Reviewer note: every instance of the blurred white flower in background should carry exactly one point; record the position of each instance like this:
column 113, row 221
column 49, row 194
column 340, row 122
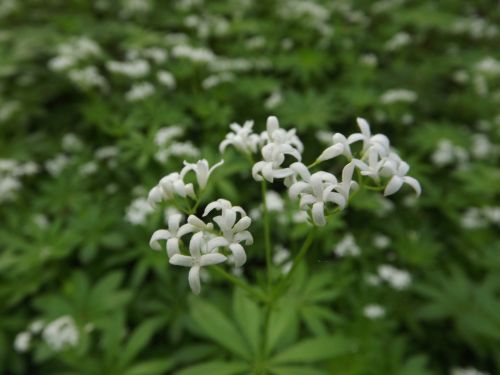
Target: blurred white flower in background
column 467, row 371
column 347, row 246
column 140, row 91
column 396, row 278
column 273, row 100
column 373, row 311
column 22, row 342
column 61, row 333
column 381, row 241
column 138, row 211
column 398, row 41
column 398, row 96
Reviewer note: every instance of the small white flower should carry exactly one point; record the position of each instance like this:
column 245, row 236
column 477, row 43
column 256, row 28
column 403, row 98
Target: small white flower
column 398, row 279
column 201, row 256
column 170, row 185
column 274, row 202
column 36, row 326
column 373, row 311
column 398, row 96
column 273, row 100
column 166, row 78
column 167, row 134
column 347, row 247
column 381, row 241
column 138, row 211
column 315, row 191
column 399, row 171
column 140, row 91
column 279, row 144
column 467, row 371
column 234, row 232
column 22, row 342
column 173, row 235
column 61, row 333
column 242, row 138
column 202, row 171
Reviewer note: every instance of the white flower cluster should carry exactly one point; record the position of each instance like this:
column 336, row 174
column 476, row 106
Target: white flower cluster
column 166, row 141
column 281, row 152
column 210, row 243
column 396, row 278
column 11, row 172
column 72, row 53
column 475, row 217
column 448, row 153
column 373, row 311
column 467, row 371
column 59, row 334
column 398, row 96
column 347, row 247
column 74, row 59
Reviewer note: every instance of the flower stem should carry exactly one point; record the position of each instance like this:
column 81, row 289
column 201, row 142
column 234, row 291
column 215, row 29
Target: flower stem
column 240, row 283
column 267, row 236
column 302, row 253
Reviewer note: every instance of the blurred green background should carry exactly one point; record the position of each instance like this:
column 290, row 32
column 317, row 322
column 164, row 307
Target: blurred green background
column 89, row 94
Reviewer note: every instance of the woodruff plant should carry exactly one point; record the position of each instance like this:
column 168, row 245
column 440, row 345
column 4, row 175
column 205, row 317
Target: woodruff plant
column 222, row 233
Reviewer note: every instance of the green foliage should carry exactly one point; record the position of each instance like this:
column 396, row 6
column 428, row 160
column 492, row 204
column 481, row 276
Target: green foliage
column 73, row 246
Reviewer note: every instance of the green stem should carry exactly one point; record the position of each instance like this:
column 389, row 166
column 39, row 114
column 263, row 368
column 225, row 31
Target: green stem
column 267, row 235
column 240, row 283
column 302, row 253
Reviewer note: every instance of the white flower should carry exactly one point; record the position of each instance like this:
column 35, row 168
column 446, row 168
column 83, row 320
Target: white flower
column 315, row 191
column 61, row 333
column 138, row 211
column 341, row 146
column 399, row 169
column 173, row 235
column 398, row 95
column 234, row 232
column 170, row 185
column 373, row 311
column 398, row 279
column 71, row 143
column 56, row 165
column 36, row 326
column 166, row 134
column 378, row 142
column 273, row 100
column 280, row 143
column 242, row 138
column 347, row 247
column 140, row 91
column 202, row 171
column 201, row 256
column 467, row 371
column 381, row 241
column 22, row 342
column 132, row 69
column 166, row 78
column 274, row 202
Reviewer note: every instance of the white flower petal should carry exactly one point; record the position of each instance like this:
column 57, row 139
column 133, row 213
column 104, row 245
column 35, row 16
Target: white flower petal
column 173, row 247
column 194, row 279
column 393, row 186
column 182, row 260
column 215, row 243
column 318, row 213
column 240, row 257
column 242, row 224
column 331, row 152
column 161, row 234
column 212, row 258
column 414, row 184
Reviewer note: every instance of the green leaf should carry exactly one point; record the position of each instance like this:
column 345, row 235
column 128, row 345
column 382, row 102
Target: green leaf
column 314, row 350
column 248, row 317
column 155, row 366
column 296, row 370
column 139, row 339
column 283, row 323
column 216, row 326
column 216, row 367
